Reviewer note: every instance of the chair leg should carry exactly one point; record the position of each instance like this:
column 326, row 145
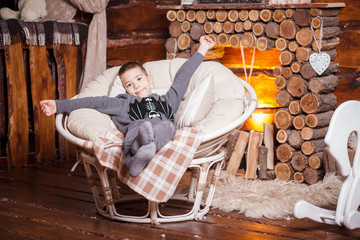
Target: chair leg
column 92, row 184
column 214, row 180
column 109, row 200
column 354, row 220
column 201, row 187
column 342, row 201
column 113, row 185
column 304, row 209
column 193, row 181
column 154, row 209
column 104, row 208
column 204, row 171
column 352, row 215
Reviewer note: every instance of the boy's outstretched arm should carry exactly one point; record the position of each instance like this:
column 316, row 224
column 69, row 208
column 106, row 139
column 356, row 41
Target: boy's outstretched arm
column 205, row 44
column 48, row 107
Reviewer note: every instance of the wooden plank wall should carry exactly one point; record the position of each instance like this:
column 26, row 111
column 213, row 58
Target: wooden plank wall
column 28, row 74
column 138, row 31
column 348, row 52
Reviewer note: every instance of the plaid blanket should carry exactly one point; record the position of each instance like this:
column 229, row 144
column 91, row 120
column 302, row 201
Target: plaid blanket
column 161, row 176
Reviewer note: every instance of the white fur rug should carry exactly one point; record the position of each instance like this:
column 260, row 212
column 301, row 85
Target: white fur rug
column 272, row 199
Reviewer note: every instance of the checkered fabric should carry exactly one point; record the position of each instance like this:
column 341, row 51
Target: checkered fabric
column 159, row 179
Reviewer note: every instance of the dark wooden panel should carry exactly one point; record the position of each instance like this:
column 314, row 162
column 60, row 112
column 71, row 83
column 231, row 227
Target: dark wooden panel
column 349, row 48
column 140, row 53
column 42, row 87
column 350, row 34
column 66, row 57
column 17, row 105
column 3, row 113
column 349, row 13
column 143, row 16
column 346, row 91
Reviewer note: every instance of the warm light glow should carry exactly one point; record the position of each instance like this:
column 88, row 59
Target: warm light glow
column 267, row 60
column 265, row 90
column 258, row 118
column 261, row 80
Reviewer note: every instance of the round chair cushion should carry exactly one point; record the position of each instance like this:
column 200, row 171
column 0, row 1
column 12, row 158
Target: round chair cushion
column 215, row 97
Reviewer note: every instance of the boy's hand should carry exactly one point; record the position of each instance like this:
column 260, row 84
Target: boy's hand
column 48, row 107
column 205, row 44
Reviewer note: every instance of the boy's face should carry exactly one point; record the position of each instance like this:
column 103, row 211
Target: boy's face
column 136, row 82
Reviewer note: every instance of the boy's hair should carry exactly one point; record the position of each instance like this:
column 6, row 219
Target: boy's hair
column 130, row 65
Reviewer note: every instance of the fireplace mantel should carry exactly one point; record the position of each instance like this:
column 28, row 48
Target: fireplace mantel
column 251, row 6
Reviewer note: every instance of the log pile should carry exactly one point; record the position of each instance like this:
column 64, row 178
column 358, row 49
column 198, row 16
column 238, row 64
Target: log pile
column 287, row 30
column 307, row 99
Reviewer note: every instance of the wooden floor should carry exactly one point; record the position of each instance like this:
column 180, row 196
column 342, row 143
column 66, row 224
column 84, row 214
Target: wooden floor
column 45, row 202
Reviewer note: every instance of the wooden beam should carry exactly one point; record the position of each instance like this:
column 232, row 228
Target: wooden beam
column 17, row 106
column 42, row 87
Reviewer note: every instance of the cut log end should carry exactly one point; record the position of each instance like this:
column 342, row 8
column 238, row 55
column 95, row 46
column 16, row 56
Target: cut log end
column 294, row 108
column 221, row 15
column 282, row 119
column 282, row 136
column 280, row 82
column 284, row 152
column 171, row 15
column 315, row 161
column 281, row 44
column 184, row 41
column 311, row 175
column 265, row 15
column 299, row 122
column 181, row 15
column 287, row 29
column 248, row 40
column 304, row 37
column 283, row 171
column 234, row 40
column 286, row 58
column 299, row 177
column 298, row 161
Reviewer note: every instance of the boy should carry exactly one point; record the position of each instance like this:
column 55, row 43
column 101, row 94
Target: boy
column 144, row 118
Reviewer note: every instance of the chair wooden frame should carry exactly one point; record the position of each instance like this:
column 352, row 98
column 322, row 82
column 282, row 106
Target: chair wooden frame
column 210, row 146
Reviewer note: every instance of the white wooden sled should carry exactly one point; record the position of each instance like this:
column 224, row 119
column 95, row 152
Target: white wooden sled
column 346, row 119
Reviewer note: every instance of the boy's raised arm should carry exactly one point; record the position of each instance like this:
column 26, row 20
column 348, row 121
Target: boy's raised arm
column 205, row 44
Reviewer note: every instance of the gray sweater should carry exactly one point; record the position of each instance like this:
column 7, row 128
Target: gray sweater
column 125, row 108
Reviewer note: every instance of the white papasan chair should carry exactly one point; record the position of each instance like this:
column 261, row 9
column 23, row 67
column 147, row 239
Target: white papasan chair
column 220, row 105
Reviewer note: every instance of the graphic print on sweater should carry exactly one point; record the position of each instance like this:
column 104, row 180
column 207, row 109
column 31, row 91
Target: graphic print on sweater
column 150, row 108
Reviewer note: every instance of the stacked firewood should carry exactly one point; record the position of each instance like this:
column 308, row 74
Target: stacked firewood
column 287, row 30
column 255, row 149
column 307, row 99
column 264, row 29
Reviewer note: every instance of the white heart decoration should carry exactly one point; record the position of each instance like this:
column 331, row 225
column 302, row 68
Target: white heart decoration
column 319, row 62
